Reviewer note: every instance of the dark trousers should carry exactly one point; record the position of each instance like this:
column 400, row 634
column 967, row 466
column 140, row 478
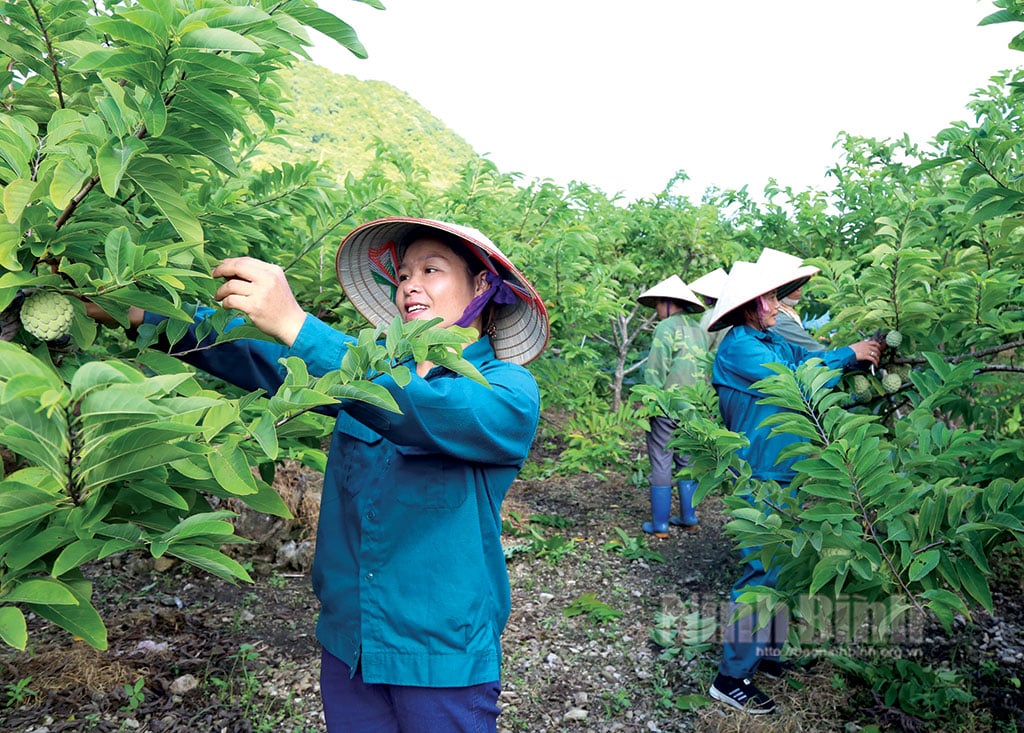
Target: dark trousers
column 353, row 706
column 664, row 462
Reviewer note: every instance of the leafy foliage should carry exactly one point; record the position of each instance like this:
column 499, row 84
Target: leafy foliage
column 141, row 142
column 122, row 134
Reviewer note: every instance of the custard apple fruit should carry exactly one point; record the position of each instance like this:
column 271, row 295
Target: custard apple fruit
column 861, row 384
column 892, row 382
column 47, row 315
column 893, row 339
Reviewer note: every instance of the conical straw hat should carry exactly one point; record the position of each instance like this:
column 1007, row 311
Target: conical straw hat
column 783, row 260
column 710, row 284
column 746, row 282
column 367, row 267
column 673, row 288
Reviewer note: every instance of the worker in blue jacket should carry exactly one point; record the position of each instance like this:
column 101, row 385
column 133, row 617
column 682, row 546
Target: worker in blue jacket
column 749, row 305
column 409, row 567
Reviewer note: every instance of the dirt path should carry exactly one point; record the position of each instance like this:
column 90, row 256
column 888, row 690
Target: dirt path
column 215, row 658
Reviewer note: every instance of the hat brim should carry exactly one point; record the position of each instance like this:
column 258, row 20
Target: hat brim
column 521, row 330
column 710, row 284
column 671, row 288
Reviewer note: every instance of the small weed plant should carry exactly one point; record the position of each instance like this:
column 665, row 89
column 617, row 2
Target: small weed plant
column 615, row 703
column 921, row 691
column 136, row 695
column 552, row 549
column 19, row 692
column 632, row 548
column 689, row 634
column 597, row 611
column 266, row 712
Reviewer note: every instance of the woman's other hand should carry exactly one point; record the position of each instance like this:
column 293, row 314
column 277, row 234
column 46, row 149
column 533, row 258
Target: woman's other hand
column 868, row 350
column 99, row 315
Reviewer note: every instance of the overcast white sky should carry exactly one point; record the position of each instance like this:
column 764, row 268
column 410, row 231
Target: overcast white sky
column 621, row 94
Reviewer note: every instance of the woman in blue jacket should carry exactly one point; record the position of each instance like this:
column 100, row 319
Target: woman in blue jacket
column 409, row 567
column 749, row 304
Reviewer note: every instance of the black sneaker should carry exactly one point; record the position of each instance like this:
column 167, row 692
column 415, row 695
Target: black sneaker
column 774, row 669
column 741, row 694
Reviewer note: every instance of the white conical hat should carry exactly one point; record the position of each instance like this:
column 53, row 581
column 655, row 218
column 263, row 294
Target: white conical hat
column 748, row 281
column 710, row 284
column 367, row 267
column 783, row 260
column 673, row 288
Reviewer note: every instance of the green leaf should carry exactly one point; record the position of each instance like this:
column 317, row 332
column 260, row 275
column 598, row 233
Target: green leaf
column 1001, row 16
column 210, row 560
column 154, row 116
column 368, row 392
column 160, row 493
column 10, row 244
column 67, row 180
column 267, row 501
column 264, row 429
column 218, row 39
column 41, row 590
column 153, row 179
column 80, row 620
column 231, row 469
column 17, row 195
column 329, row 25
column 75, row 555
column 691, row 702
column 133, row 451
column 13, row 629
column 112, row 160
column 21, row 508
column 975, row 584
column 29, row 549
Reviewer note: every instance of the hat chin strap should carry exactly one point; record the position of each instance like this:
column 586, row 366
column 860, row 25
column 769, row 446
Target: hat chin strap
column 499, row 292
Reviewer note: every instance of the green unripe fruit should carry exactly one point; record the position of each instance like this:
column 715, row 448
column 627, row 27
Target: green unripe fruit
column 47, row 316
column 892, row 382
column 903, row 370
column 861, row 385
column 893, row 339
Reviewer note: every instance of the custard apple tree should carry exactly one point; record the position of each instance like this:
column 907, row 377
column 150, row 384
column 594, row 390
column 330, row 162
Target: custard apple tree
column 125, row 128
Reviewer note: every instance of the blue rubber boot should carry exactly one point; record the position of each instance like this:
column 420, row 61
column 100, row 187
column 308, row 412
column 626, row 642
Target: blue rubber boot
column 687, row 516
column 661, row 505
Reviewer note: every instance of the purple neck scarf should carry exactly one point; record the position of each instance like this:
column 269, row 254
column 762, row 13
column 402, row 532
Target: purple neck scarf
column 499, row 292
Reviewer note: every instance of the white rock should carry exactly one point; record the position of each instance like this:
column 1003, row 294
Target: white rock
column 183, row 684
column 576, row 714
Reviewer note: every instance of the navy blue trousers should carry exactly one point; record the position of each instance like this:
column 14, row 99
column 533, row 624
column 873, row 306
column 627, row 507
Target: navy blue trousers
column 353, row 706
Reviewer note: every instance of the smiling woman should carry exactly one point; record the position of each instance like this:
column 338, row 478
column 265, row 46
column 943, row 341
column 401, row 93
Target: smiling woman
column 409, row 567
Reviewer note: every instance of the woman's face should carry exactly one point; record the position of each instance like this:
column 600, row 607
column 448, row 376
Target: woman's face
column 760, row 319
column 435, row 282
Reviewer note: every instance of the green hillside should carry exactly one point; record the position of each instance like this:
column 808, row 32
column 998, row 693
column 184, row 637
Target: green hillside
column 337, row 118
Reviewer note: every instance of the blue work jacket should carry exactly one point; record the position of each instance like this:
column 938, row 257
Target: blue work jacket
column 409, row 567
column 740, row 361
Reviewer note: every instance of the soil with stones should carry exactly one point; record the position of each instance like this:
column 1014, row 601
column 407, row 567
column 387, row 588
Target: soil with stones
column 190, row 653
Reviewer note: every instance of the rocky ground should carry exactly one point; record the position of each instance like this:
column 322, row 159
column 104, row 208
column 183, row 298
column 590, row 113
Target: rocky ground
column 189, row 653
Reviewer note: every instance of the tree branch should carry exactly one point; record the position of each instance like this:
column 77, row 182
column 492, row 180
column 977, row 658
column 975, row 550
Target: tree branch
column 50, row 54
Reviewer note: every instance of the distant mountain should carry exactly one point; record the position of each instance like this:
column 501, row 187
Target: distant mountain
column 337, row 116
